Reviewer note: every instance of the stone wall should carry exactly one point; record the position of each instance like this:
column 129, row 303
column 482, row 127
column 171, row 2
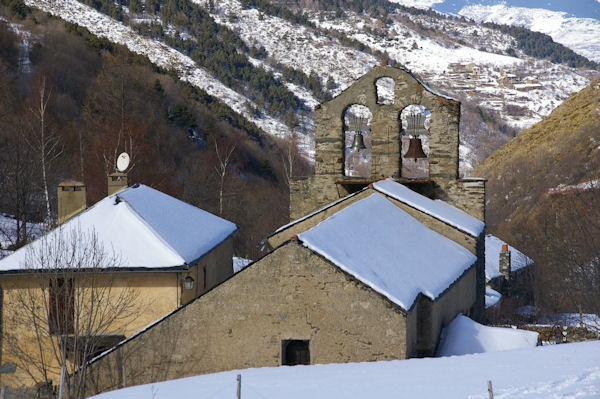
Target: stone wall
column 290, row 294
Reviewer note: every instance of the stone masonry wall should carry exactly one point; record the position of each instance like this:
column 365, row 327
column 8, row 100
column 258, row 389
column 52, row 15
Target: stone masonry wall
column 289, row 294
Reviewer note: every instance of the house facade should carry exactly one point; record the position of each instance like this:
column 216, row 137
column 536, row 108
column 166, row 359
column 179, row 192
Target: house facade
column 107, row 271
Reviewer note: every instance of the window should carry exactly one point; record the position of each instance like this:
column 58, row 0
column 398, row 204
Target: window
column 415, row 120
column 61, row 306
column 357, row 141
column 294, row 352
column 385, row 90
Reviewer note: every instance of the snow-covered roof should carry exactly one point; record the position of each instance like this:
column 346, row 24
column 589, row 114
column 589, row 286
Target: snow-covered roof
column 493, row 246
column 145, row 228
column 436, row 208
column 492, row 297
column 389, row 250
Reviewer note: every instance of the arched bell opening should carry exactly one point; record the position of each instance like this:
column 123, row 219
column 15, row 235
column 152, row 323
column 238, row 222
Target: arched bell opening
column 415, row 141
column 385, row 90
column 357, row 141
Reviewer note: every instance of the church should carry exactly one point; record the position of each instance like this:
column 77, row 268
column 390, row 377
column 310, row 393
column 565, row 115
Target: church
column 386, row 246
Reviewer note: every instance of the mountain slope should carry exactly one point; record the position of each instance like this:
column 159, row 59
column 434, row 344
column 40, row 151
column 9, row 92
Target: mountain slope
column 579, row 34
column 327, row 45
column 561, row 150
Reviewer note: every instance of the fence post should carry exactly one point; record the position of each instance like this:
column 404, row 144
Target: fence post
column 490, row 390
column 239, row 386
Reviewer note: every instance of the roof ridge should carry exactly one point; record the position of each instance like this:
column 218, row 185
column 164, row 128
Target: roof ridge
column 150, row 228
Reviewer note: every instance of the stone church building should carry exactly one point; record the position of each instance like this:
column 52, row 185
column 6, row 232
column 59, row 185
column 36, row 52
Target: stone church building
column 386, row 248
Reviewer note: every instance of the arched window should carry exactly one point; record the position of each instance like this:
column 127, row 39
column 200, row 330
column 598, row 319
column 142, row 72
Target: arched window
column 415, row 141
column 357, row 141
column 385, row 90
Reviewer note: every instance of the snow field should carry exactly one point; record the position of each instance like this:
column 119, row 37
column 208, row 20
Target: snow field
column 549, row 372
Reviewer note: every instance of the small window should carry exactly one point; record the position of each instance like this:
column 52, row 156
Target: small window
column 61, row 306
column 78, row 188
column 385, row 90
column 295, row 352
column 64, row 188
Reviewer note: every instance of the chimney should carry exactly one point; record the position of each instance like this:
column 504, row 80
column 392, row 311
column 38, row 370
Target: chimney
column 116, row 182
column 72, row 199
column 504, row 262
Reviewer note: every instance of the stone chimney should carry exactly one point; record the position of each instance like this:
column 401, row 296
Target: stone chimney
column 116, row 182
column 72, row 199
column 504, row 263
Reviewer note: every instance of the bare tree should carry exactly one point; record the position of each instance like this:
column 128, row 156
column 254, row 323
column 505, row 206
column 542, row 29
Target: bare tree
column 68, row 308
column 224, row 158
column 290, row 156
column 44, row 140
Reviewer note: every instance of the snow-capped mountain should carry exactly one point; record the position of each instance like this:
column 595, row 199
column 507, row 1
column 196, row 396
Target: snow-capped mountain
column 581, row 35
column 575, row 24
column 501, row 88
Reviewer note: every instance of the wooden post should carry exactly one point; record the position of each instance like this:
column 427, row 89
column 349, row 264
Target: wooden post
column 3, row 393
column 239, row 386
column 490, row 390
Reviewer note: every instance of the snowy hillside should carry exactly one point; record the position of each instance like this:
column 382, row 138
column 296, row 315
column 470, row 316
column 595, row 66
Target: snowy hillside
column 557, row 371
column 581, row 35
column 160, row 54
column 457, row 58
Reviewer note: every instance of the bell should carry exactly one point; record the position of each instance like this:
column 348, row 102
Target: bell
column 358, row 143
column 415, row 150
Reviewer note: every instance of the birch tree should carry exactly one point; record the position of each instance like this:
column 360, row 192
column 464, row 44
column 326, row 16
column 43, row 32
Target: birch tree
column 43, row 139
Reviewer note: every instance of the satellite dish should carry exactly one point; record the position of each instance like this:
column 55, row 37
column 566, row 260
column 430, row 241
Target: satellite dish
column 122, row 162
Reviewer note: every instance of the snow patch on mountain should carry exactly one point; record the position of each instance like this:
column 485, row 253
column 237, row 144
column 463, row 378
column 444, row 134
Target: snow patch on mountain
column 581, row 35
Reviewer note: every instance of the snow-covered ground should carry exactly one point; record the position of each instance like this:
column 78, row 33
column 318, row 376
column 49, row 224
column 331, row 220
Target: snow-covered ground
column 581, row 35
column 556, row 371
column 240, row 263
column 464, row 336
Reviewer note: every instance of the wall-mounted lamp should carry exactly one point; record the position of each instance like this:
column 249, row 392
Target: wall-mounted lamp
column 188, row 283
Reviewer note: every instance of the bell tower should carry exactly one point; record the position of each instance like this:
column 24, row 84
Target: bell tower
column 387, row 124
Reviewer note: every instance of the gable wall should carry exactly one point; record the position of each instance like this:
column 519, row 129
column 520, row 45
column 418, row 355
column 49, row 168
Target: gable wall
column 289, row 294
column 218, row 266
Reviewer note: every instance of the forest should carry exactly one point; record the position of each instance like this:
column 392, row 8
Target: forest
column 72, row 102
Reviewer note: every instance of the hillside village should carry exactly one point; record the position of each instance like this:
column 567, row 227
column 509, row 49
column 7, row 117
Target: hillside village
column 376, row 264
column 382, row 261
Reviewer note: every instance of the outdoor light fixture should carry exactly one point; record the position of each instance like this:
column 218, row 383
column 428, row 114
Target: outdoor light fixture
column 188, row 283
